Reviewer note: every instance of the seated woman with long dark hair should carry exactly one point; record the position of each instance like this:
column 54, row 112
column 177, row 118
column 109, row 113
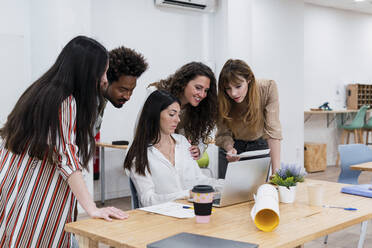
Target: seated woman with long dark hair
column 159, row 160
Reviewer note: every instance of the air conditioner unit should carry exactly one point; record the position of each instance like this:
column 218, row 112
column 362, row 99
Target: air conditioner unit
column 198, row 5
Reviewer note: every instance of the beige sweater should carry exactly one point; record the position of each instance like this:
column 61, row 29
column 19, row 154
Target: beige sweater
column 269, row 127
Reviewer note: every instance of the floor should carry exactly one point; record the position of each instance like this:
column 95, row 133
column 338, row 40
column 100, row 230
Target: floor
column 346, row 238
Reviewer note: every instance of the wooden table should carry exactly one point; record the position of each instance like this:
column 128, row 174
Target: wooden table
column 363, row 167
column 299, row 223
column 102, row 146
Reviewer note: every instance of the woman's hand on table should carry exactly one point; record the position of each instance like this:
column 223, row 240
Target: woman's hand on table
column 108, row 213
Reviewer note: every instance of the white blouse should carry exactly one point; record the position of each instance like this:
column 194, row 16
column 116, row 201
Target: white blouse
column 167, row 182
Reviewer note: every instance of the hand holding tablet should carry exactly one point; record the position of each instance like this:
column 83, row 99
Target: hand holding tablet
column 250, row 153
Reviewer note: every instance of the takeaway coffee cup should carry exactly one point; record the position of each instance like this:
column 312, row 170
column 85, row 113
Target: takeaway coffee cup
column 315, row 193
column 203, row 199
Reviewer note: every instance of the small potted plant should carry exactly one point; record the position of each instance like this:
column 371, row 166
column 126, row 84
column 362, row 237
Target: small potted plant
column 287, row 178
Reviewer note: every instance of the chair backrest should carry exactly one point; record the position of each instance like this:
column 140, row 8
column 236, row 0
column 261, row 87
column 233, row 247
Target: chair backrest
column 352, row 154
column 369, row 123
column 134, row 196
column 358, row 121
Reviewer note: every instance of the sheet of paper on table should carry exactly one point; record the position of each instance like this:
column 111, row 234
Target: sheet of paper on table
column 172, row 209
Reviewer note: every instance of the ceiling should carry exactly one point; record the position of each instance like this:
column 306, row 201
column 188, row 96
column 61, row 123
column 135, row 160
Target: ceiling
column 364, row 7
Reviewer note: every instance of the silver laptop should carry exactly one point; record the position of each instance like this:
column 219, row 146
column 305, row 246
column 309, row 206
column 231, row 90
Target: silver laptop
column 242, row 180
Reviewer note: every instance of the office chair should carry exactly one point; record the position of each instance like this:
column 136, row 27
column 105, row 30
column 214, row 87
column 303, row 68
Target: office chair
column 355, row 127
column 350, row 155
column 368, row 128
column 134, row 196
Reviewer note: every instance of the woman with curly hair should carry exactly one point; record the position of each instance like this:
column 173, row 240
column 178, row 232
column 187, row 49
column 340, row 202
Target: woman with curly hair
column 248, row 115
column 195, row 85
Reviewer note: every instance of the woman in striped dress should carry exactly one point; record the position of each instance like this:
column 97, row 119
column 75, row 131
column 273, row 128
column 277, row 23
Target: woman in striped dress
column 45, row 143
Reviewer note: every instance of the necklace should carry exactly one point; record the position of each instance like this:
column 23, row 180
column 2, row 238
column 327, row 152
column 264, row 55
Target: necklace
column 167, row 149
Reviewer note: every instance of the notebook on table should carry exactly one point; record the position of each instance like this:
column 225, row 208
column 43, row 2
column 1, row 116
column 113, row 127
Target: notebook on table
column 190, row 240
column 361, row 189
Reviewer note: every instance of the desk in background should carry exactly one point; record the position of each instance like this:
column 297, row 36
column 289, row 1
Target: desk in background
column 363, row 167
column 299, row 223
column 102, row 146
column 331, row 115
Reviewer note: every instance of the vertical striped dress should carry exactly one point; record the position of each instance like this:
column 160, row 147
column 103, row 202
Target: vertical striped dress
column 35, row 199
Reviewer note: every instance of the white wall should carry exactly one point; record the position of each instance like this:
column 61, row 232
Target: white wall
column 52, row 24
column 338, row 52
column 14, row 53
column 277, row 53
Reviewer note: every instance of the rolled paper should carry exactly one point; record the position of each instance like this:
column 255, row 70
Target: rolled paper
column 265, row 212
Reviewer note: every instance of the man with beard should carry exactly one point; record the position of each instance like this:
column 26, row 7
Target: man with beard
column 125, row 67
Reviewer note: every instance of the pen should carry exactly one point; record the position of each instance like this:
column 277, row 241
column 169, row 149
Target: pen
column 348, row 209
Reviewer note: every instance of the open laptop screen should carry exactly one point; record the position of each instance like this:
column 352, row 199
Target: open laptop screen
column 243, row 178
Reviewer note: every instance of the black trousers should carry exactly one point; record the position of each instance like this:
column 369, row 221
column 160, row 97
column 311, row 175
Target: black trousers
column 240, row 146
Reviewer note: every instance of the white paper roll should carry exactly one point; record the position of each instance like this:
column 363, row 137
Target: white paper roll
column 265, row 212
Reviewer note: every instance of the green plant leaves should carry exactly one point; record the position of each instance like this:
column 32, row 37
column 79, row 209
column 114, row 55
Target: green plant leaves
column 287, row 177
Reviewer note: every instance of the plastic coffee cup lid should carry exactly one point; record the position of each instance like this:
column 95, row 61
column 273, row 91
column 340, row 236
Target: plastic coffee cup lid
column 202, row 189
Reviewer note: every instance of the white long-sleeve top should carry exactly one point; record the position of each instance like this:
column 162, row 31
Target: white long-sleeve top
column 169, row 182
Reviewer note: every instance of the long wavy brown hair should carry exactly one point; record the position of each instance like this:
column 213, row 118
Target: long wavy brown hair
column 233, row 71
column 198, row 122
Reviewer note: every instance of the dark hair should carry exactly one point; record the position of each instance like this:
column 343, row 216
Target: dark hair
column 34, row 120
column 198, row 122
column 148, row 130
column 125, row 61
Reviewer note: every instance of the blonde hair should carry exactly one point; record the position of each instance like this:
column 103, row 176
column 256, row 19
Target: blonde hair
column 232, row 72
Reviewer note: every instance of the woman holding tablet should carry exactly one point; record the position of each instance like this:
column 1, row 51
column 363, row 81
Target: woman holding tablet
column 248, row 115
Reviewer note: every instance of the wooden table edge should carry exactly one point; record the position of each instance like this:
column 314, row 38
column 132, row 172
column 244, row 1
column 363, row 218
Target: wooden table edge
column 93, row 242
column 328, row 231
column 361, row 166
column 101, row 144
